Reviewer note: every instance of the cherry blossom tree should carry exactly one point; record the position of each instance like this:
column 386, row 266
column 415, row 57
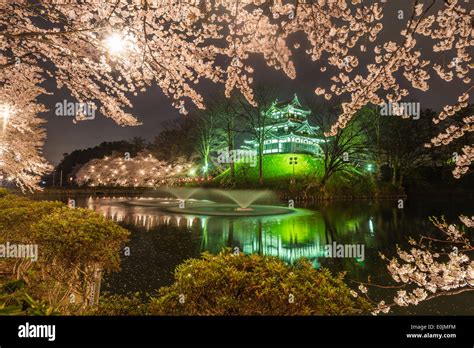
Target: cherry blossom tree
column 143, row 170
column 21, row 136
column 104, row 52
column 433, row 267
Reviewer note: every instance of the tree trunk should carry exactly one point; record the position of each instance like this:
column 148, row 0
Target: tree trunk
column 323, row 180
column 206, row 163
column 231, row 164
column 394, row 174
column 400, row 179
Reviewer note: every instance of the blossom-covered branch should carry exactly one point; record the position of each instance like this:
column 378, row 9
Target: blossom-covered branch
column 106, row 52
column 433, row 267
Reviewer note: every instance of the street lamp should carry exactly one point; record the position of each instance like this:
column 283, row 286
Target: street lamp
column 293, row 162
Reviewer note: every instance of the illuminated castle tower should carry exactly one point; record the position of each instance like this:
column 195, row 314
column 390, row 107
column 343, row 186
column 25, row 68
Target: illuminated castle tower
column 288, row 130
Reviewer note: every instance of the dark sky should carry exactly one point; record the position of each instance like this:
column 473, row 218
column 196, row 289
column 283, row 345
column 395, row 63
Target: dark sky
column 152, row 108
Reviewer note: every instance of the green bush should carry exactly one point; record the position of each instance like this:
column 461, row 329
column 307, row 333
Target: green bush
column 80, row 236
column 12, row 286
column 20, row 303
column 228, row 284
column 352, row 183
column 121, row 305
column 73, row 246
column 17, row 214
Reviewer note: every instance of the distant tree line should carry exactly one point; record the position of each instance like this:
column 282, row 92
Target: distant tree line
column 390, row 148
column 72, row 162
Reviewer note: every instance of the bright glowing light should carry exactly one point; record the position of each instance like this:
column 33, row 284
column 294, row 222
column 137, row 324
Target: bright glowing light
column 118, row 44
column 6, row 112
column 115, row 44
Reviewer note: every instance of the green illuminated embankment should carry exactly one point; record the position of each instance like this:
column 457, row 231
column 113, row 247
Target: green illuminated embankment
column 276, row 168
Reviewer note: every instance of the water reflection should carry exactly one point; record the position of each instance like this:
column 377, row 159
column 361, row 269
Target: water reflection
column 161, row 241
column 304, row 233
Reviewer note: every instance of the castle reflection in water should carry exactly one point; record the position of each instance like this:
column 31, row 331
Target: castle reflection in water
column 289, row 237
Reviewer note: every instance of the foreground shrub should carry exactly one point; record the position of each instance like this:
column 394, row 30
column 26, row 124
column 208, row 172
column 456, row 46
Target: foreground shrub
column 16, row 301
column 17, row 214
column 3, row 192
column 228, row 284
column 121, row 305
column 75, row 246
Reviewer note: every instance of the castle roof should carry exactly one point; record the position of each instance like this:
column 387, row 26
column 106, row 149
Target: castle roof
column 295, row 102
column 286, row 106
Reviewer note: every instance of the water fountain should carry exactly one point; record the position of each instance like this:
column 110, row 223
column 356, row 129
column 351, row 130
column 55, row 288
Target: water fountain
column 244, row 198
column 182, row 193
column 242, row 204
column 210, row 202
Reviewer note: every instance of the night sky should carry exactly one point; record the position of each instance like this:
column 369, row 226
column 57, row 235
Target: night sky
column 152, row 108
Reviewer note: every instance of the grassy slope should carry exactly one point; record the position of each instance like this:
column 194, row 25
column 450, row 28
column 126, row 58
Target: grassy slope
column 276, row 169
column 277, row 173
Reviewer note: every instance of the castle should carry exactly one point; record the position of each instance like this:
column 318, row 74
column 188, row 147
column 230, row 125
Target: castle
column 288, row 130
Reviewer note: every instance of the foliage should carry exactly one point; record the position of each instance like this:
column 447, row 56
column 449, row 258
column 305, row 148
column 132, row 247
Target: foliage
column 121, row 305
column 349, row 150
column 77, row 158
column 16, row 301
column 106, row 52
column 79, row 237
column 10, row 305
column 12, row 286
column 350, row 184
column 255, row 117
column 73, row 246
column 400, row 143
column 308, row 174
column 176, row 140
column 38, row 307
column 237, row 284
column 19, row 213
